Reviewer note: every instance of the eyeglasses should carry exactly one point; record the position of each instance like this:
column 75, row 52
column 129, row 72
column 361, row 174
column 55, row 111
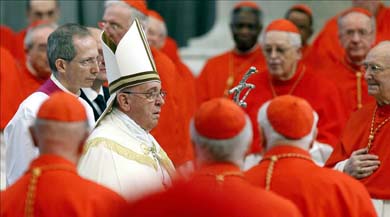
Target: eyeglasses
column 92, row 61
column 374, row 69
column 279, row 50
column 350, row 33
column 150, row 96
column 105, row 24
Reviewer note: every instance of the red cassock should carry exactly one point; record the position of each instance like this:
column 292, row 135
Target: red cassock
column 170, row 49
column 327, row 48
column 315, row 190
column 215, row 190
column 59, row 191
column 10, row 88
column 171, row 131
column 185, row 87
column 7, row 37
column 225, row 71
column 355, row 136
column 30, row 83
column 305, row 51
column 351, row 83
column 321, row 93
column 18, row 52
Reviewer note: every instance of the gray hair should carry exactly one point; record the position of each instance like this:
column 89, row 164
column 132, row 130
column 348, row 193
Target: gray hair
column 294, row 39
column 222, row 150
column 28, row 39
column 134, row 13
column 60, row 43
column 164, row 26
column 340, row 23
column 274, row 138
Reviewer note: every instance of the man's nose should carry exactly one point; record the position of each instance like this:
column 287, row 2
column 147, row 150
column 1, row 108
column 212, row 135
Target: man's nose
column 274, row 54
column 356, row 36
column 160, row 100
column 95, row 67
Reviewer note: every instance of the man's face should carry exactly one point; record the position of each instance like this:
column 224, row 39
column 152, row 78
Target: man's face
column 102, row 75
column 280, row 55
column 36, row 54
column 377, row 74
column 45, row 10
column 143, row 110
column 116, row 21
column 302, row 21
column 356, row 36
column 156, row 33
column 82, row 70
column 245, row 28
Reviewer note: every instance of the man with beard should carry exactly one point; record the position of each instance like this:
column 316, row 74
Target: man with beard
column 224, row 71
column 302, row 16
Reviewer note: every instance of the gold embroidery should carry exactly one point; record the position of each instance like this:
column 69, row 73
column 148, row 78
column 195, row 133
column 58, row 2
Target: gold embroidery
column 293, row 86
column 121, row 150
column 274, row 159
column 167, row 163
column 359, row 89
column 220, row 178
column 32, row 187
column 373, row 130
column 31, row 192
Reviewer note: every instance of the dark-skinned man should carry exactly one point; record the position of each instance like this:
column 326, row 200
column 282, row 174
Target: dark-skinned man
column 224, row 71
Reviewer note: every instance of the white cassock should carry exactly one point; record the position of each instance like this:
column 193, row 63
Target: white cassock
column 19, row 147
column 122, row 156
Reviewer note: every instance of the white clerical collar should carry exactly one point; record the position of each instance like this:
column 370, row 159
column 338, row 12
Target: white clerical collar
column 133, row 128
column 58, row 83
column 91, row 93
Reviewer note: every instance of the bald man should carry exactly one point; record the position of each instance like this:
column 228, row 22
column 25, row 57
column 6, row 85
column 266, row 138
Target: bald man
column 51, row 184
column 289, row 125
column 363, row 151
column 222, row 133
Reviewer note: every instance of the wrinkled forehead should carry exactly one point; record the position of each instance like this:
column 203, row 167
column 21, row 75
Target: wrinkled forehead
column 42, row 33
column 355, row 20
column 379, row 55
column 42, row 5
column 278, row 38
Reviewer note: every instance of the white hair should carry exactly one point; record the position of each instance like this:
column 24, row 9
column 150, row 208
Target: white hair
column 28, row 39
column 163, row 25
column 274, row 138
column 294, row 39
column 372, row 23
column 231, row 150
column 134, row 13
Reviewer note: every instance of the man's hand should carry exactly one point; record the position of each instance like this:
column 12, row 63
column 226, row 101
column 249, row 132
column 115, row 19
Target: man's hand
column 361, row 164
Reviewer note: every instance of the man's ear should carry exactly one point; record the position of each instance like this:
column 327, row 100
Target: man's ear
column 60, row 65
column 33, row 136
column 82, row 143
column 123, row 102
